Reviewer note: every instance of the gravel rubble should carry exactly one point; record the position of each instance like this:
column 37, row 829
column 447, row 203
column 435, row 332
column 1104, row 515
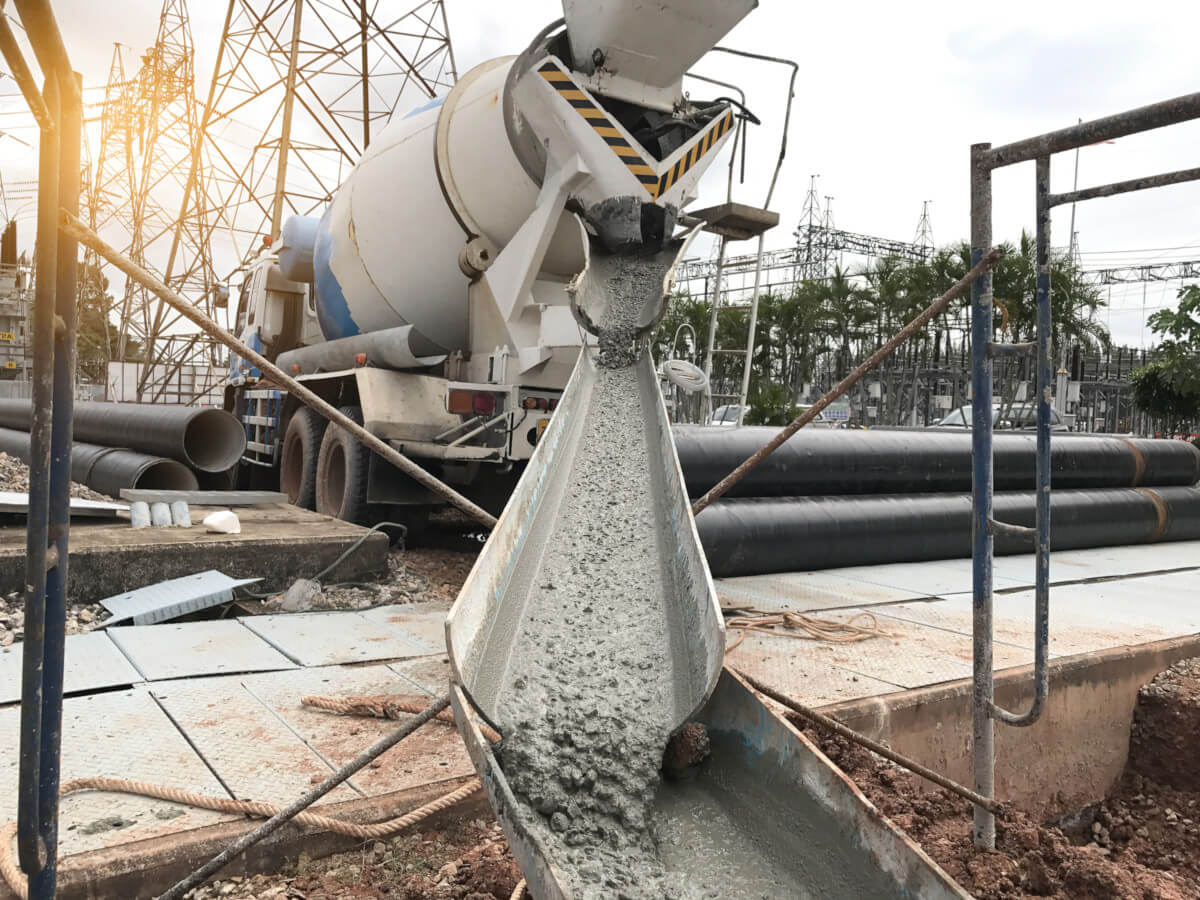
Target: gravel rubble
column 14, row 477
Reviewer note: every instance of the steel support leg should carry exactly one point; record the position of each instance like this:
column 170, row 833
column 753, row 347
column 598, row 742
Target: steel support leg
column 982, row 732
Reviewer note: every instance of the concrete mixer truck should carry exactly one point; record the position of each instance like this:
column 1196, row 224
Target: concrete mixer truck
column 429, row 300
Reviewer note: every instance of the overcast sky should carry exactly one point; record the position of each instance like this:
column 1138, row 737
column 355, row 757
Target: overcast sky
column 890, row 98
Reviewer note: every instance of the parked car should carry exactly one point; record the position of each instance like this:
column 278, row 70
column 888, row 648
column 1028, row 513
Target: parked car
column 1018, row 417
column 728, row 415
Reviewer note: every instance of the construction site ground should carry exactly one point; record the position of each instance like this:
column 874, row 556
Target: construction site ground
column 215, row 706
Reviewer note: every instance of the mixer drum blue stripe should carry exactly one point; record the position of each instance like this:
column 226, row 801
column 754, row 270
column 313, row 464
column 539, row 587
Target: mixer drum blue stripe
column 333, row 312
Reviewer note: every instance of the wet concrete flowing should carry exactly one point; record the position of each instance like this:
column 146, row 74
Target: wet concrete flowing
column 591, row 696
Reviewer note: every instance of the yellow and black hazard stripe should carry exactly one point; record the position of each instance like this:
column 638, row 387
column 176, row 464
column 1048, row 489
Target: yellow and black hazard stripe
column 603, row 126
column 656, row 183
column 695, row 153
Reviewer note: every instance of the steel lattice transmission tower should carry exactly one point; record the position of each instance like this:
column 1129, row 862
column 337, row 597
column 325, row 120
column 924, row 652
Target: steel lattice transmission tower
column 298, row 91
column 144, row 199
column 924, row 235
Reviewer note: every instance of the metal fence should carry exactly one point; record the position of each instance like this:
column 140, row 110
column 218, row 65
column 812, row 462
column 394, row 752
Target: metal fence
column 984, row 160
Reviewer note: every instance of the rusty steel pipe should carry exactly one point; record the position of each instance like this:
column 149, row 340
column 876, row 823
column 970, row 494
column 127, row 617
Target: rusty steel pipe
column 19, row 69
column 1133, row 121
column 1182, row 176
column 985, row 265
column 70, row 224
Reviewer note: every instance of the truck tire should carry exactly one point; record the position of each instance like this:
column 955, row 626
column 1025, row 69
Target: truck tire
column 298, row 457
column 342, row 468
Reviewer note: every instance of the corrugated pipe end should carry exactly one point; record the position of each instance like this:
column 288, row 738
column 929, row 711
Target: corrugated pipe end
column 117, row 469
column 214, row 441
column 166, row 475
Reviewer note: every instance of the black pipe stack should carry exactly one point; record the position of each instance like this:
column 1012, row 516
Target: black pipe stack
column 830, row 498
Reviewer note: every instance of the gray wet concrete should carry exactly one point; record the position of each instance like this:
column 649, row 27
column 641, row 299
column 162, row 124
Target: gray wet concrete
column 594, row 687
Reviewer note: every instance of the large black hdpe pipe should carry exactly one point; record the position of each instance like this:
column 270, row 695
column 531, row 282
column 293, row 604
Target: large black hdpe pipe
column 758, row 536
column 109, row 469
column 828, row 461
column 210, row 440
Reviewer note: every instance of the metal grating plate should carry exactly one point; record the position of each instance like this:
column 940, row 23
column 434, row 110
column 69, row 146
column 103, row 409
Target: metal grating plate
column 123, row 735
column 430, row 675
column 173, row 598
column 910, row 655
column 252, row 751
column 422, row 623
column 196, row 648
column 18, row 503
column 332, row 638
column 807, row 592
column 92, row 662
column 799, row 670
column 432, row 753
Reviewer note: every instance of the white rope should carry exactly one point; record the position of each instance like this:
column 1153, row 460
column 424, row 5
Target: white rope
column 684, row 375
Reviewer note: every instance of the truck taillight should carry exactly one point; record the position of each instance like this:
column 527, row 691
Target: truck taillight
column 535, row 403
column 466, row 403
column 459, row 402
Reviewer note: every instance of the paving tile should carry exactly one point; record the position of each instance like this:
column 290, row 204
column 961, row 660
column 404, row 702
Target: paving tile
column 119, row 734
column 332, row 638
column 91, row 662
column 162, row 652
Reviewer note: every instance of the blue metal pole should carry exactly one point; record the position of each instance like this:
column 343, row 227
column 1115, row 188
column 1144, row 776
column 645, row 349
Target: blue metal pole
column 1045, row 376
column 70, row 124
column 983, row 729
column 31, row 851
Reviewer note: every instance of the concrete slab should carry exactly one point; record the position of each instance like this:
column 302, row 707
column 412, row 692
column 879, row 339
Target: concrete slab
column 423, row 624
column 166, row 651
column 433, row 753
column 332, row 638
column 91, row 662
column 807, row 592
column 121, row 735
column 255, row 754
column 278, row 544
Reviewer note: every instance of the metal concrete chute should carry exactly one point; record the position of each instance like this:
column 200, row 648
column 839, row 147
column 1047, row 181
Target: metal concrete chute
column 506, row 594
column 485, row 619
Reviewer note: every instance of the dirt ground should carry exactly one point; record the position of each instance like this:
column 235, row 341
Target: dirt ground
column 1140, row 843
column 416, row 575
column 469, row 861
